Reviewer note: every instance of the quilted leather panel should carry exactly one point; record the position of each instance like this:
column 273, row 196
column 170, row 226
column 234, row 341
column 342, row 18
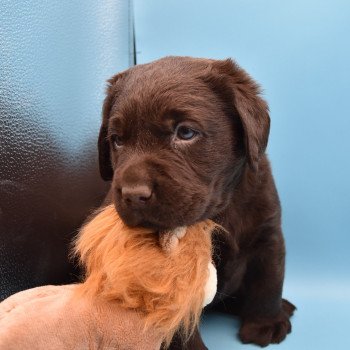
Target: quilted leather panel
column 54, row 60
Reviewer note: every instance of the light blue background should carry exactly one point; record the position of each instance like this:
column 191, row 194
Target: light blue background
column 299, row 51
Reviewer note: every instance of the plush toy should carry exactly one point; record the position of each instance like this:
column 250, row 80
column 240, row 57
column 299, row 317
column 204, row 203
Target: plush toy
column 139, row 289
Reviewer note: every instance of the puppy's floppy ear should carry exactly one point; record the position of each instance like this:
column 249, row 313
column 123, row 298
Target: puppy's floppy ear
column 243, row 94
column 104, row 154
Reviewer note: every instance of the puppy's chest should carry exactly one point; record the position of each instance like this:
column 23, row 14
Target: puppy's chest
column 230, row 265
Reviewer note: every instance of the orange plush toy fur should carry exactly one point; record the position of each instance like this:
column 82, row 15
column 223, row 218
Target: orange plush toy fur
column 140, row 288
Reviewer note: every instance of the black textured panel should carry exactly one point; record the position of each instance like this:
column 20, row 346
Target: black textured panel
column 54, row 60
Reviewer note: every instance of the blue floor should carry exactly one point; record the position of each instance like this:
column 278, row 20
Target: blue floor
column 321, row 322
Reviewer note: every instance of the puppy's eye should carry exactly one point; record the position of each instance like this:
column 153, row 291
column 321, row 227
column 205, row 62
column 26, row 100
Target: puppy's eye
column 185, row 133
column 117, row 141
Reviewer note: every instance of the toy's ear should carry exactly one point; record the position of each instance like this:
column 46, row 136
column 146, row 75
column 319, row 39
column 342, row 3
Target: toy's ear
column 242, row 94
column 104, row 154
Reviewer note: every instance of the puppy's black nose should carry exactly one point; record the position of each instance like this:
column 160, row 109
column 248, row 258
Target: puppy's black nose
column 136, row 195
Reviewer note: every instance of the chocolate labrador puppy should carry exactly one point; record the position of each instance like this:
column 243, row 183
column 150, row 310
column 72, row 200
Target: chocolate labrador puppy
column 182, row 140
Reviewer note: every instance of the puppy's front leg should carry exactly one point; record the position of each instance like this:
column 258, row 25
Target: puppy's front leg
column 194, row 343
column 265, row 315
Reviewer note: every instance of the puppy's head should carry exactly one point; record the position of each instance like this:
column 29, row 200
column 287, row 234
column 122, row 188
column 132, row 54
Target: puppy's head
column 175, row 136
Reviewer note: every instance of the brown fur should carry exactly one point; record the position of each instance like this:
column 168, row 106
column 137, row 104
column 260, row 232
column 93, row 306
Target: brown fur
column 129, row 267
column 222, row 174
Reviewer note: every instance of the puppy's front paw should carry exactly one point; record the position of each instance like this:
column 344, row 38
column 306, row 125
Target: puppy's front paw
column 269, row 330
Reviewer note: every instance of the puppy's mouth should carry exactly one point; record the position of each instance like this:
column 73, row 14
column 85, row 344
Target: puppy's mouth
column 157, row 227
column 170, row 222
column 137, row 219
column 153, row 226
column 163, row 217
